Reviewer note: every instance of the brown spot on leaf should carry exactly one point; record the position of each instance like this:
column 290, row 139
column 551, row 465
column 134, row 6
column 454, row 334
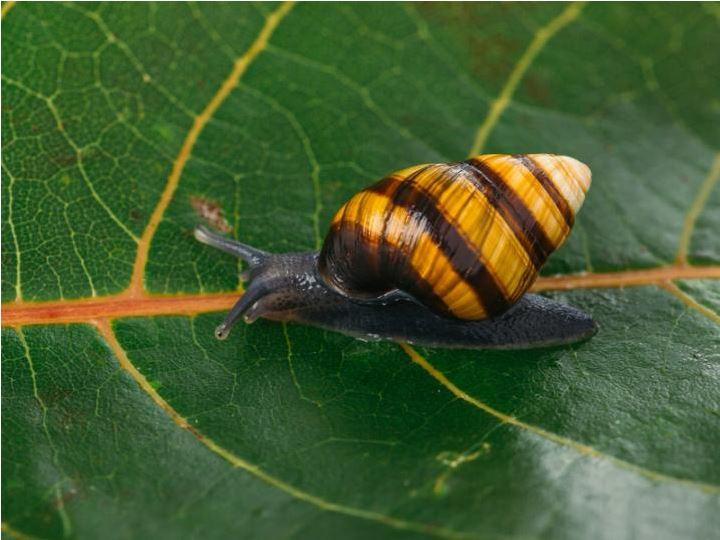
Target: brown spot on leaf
column 491, row 50
column 537, row 89
column 493, row 56
column 210, row 212
column 66, row 160
column 66, row 495
column 136, row 215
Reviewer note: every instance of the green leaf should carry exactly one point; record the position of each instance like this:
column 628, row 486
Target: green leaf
column 126, row 124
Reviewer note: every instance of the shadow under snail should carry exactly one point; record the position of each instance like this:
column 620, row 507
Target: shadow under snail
column 439, row 254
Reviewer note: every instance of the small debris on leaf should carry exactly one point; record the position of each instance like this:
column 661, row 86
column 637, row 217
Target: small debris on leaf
column 211, row 212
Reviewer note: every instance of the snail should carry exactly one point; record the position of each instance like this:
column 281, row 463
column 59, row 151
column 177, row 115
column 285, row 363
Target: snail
column 439, row 254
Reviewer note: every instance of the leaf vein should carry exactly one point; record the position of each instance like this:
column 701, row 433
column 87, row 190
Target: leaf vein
column 581, row 448
column 690, row 302
column 11, row 224
column 123, row 305
column 78, row 152
column 309, row 153
column 696, row 209
column 7, row 6
column 105, row 330
column 541, row 38
column 239, row 68
column 360, row 90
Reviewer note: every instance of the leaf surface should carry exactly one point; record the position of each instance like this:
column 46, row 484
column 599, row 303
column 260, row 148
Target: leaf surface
column 124, row 125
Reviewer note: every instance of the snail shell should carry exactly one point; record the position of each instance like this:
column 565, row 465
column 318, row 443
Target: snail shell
column 465, row 239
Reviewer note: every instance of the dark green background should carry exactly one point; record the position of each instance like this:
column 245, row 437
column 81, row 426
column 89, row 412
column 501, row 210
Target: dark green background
column 97, row 101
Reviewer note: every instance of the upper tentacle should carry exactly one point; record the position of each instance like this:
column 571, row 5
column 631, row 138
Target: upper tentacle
column 249, row 254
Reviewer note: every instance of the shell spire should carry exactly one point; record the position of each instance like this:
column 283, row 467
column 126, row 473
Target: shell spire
column 465, row 239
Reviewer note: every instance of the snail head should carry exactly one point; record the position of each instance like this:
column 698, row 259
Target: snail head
column 276, row 282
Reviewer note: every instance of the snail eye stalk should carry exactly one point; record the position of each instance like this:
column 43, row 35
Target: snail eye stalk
column 249, row 254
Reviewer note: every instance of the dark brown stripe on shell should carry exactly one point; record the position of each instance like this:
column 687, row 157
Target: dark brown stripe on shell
column 513, row 211
column 389, row 254
column 347, row 231
column 545, row 181
column 461, row 255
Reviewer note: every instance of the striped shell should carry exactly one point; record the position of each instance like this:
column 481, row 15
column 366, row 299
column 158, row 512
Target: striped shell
column 465, row 239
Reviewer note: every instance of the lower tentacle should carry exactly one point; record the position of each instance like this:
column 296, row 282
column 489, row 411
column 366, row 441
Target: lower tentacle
column 244, row 306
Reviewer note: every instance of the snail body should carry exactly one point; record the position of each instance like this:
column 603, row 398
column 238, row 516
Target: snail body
column 437, row 254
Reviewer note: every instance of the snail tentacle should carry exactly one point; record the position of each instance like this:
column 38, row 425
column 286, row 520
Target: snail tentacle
column 249, row 254
column 246, row 303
